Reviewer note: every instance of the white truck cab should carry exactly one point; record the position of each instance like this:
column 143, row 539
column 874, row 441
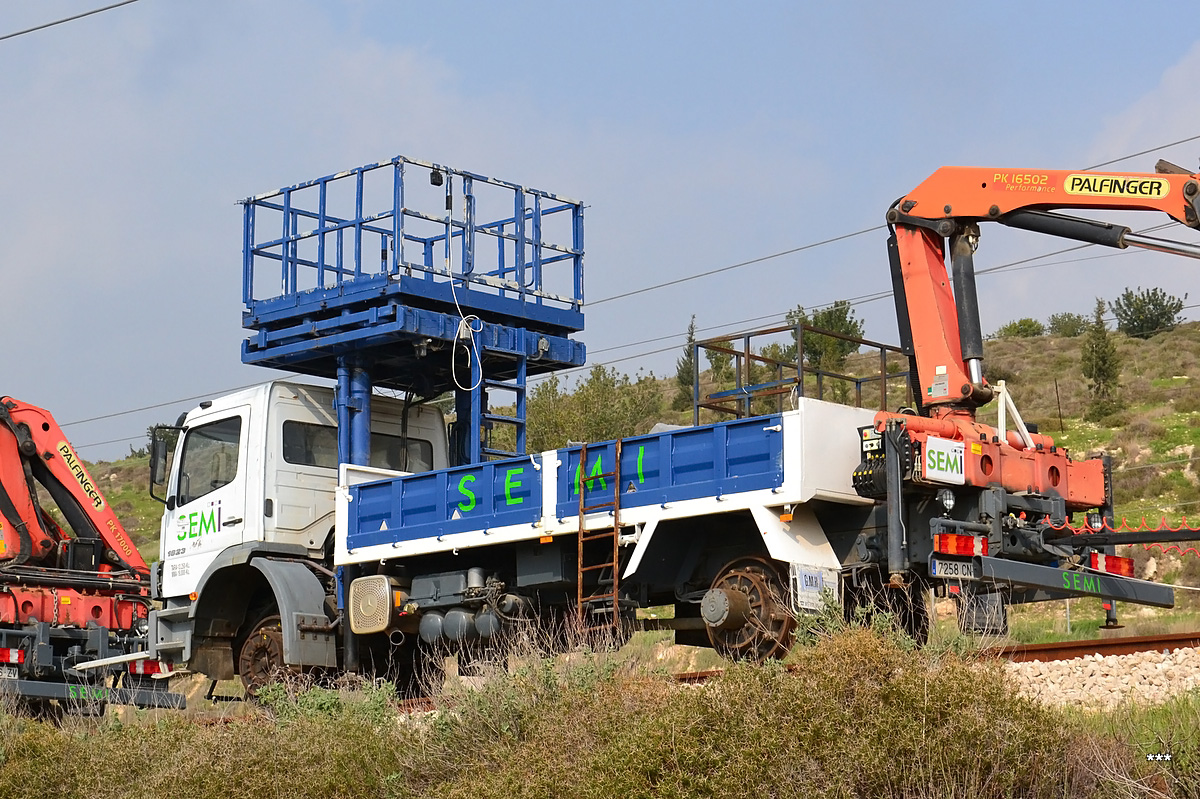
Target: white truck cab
column 261, row 466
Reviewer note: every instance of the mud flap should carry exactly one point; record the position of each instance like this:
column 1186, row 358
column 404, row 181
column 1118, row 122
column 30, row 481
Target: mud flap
column 982, row 614
column 301, row 599
column 802, row 544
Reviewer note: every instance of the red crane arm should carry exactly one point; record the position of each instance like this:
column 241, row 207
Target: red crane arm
column 980, row 193
column 941, row 327
column 34, row 448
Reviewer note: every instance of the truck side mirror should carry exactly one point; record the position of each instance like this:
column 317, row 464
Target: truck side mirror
column 158, row 459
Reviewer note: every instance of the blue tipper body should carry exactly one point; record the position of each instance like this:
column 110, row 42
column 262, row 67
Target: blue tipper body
column 670, row 467
column 447, row 501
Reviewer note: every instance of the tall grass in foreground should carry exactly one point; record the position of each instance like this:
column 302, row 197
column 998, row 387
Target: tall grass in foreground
column 860, row 715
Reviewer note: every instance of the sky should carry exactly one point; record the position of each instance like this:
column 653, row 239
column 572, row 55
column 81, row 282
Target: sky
column 699, row 134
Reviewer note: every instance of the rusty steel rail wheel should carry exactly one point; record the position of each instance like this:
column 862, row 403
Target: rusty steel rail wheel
column 260, row 659
column 746, row 612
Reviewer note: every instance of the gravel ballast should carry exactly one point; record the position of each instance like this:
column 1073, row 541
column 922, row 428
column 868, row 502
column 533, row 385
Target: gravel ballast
column 1099, row 682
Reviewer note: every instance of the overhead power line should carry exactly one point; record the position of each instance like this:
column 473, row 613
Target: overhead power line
column 710, row 272
column 111, row 441
column 862, row 299
column 845, row 236
column 733, row 335
column 156, row 405
column 1143, row 152
column 65, row 19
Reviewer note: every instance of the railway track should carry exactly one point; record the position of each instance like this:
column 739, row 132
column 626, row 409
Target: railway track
column 1017, row 653
column 1058, row 650
column 1067, row 650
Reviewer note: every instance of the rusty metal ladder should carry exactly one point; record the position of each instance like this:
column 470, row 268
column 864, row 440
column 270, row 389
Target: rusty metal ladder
column 605, row 601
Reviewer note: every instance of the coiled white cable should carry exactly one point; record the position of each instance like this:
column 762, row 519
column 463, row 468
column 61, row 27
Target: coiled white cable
column 469, row 324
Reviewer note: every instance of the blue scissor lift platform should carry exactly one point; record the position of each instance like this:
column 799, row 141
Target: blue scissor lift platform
column 385, row 276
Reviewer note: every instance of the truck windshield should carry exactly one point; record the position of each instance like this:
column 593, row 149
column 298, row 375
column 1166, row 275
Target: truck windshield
column 306, row 444
column 209, row 459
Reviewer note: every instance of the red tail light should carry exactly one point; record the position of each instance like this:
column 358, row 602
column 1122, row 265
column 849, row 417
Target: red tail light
column 12, row 655
column 1111, row 564
column 148, row 667
column 953, row 544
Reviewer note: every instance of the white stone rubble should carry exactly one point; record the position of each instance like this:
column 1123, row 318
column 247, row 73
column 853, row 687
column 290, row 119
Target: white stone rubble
column 1100, row 682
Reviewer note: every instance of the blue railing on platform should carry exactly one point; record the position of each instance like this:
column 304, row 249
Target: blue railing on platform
column 420, row 223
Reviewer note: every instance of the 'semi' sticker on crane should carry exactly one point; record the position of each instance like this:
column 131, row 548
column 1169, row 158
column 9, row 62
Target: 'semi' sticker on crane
column 944, row 461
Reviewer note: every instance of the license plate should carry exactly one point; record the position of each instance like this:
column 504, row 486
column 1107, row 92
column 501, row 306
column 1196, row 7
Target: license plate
column 953, row 569
column 8, row 672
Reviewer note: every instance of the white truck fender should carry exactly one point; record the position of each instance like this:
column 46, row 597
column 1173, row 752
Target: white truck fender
column 813, row 568
column 802, row 540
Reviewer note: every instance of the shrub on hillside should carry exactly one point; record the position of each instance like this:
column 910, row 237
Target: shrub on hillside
column 996, row 373
column 1143, row 426
column 1099, row 410
column 1143, row 313
column 1067, row 325
column 1022, row 328
column 1188, row 403
column 1118, row 419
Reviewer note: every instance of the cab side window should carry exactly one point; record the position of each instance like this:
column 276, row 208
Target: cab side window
column 209, row 458
column 307, row 444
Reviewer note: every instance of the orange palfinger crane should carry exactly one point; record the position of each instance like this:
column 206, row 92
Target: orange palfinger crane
column 942, row 330
column 33, row 451
column 75, row 597
column 1013, row 492
column 949, row 205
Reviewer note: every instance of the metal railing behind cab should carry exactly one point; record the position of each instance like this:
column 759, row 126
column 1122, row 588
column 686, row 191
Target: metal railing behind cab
column 764, row 378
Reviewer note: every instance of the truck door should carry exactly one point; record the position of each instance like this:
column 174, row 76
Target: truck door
column 209, row 507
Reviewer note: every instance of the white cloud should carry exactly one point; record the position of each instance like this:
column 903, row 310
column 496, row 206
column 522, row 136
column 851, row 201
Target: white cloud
column 1167, row 112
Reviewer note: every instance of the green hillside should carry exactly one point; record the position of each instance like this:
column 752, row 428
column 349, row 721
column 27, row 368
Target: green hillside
column 125, row 484
column 1153, row 439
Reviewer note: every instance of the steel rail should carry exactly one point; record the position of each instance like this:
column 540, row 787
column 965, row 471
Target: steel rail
column 1068, row 650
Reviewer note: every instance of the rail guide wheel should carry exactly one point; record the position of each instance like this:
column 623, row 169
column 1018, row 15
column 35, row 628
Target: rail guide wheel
column 260, row 659
column 746, row 611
